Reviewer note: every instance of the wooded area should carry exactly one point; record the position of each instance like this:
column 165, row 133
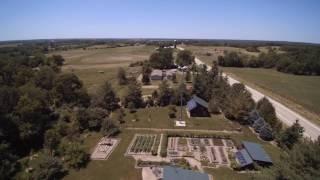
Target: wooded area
column 296, row 60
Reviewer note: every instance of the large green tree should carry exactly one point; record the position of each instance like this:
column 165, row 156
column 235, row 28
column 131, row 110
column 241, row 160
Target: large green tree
column 162, row 59
column 133, row 95
column 267, row 111
column 239, row 103
column 122, row 77
column 69, row 89
column 48, row 168
column 165, row 94
column 184, row 58
column 106, row 98
column 291, row 135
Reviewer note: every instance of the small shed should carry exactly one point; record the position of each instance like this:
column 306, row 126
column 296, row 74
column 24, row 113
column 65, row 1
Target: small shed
column 197, row 107
column 156, row 74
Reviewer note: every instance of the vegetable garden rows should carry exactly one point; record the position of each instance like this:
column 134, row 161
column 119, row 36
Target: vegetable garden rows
column 143, row 144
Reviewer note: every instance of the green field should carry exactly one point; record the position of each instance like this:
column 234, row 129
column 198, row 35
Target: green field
column 109, row 57
column 157, row 117
column 201, row 52
column 227, row 174
column 95, row 66
column 301, row 90
column 117, row 167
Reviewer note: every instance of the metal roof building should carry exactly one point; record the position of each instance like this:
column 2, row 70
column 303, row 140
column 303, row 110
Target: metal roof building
column 156, row 74
column 175, row 173
column 195, row 101
column 256, row 152
column 197, row 107
column 243, row 158
column 252, row 152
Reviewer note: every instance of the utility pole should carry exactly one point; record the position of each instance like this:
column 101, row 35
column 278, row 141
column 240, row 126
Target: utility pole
column 181, row 97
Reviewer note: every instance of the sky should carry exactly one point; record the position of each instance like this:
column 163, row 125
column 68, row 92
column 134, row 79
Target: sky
column 281, row 20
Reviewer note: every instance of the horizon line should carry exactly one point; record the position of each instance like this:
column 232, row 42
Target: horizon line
column 157, row 38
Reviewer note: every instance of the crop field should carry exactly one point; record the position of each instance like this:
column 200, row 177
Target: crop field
column 142, row 143
column 298, row 92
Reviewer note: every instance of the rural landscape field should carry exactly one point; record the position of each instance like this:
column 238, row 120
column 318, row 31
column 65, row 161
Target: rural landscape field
column 160, row 90
column 298, row 92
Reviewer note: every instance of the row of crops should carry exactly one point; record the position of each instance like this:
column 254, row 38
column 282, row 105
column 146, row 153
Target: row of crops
column 143, row 144
column 156, row 146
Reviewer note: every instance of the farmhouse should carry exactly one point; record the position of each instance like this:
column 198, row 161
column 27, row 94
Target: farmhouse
column 197, row 107
column 170, row 73
column 156, row 74
column 252, row 152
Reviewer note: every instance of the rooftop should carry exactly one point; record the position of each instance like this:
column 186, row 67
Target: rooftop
column 256, row 152
column 192, row 103
column 156, row 72
column 175, row 173
column 243, row 158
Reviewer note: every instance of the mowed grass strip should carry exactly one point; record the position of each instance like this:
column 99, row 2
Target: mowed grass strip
column 157, row 117
column 303, row 90
column 120, row 167
column 117, row 167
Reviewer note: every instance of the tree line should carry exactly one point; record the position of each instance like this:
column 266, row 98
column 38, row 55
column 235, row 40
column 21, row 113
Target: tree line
column 295, row 60
column 43, row 113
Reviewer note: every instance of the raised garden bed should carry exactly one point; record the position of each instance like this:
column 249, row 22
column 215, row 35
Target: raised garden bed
column 143, row 143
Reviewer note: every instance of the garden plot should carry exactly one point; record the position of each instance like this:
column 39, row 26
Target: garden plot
column 104, row 148
column 211, row 152
column 142, row 144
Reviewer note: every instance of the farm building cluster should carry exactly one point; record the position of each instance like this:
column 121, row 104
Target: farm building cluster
column 158, row 74
column 197, row 152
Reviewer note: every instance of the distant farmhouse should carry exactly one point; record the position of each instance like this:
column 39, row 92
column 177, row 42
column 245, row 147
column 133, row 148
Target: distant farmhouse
column 197, row 107
column 252, row 152
column 158, row 74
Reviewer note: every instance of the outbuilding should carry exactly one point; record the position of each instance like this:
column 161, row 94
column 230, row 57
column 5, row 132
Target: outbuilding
column 197, row 107
column 252, row 152
column 156, row 74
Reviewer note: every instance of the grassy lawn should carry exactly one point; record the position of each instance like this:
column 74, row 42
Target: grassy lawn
column 227, row 174
column 117, row 167
column 301, row 90
column 157, row 117
column 79, row 58
column 201, row 51
column 89, row 64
